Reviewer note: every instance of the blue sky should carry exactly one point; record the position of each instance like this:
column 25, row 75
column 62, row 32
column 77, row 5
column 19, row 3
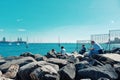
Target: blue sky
column 46, row 20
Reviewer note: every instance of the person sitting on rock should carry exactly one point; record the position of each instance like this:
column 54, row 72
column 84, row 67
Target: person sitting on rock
column 83, row 50
column 63, row 51
column 51, row 54
column 53, row 51
column 95, row 48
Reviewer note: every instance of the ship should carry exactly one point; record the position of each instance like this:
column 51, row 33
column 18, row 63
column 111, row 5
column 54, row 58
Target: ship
column 18, row 42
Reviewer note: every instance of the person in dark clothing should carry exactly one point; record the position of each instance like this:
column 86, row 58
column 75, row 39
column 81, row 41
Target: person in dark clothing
column 83, row 50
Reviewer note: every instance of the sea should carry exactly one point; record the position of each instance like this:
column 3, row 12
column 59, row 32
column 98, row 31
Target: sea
column 43, row 48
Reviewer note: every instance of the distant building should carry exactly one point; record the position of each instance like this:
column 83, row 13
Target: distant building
column 116, row 40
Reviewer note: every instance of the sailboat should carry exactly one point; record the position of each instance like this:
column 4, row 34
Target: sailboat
column 27, row 43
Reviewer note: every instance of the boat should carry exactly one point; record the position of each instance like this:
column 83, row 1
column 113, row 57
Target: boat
column 13, row 43
column 18, row 42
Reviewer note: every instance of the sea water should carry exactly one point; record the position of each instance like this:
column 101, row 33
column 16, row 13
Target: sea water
column 42, row 48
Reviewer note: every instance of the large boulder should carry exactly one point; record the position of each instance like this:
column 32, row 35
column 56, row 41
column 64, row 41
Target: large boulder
column 96, row 72
column 60, row 62
column 22, row 61
column 82, row 65
column 39, row 63
column 104, row 59
column 45, row 72
column 26, row 70
column 12, row 71
column 68, row 72
column 115, row 57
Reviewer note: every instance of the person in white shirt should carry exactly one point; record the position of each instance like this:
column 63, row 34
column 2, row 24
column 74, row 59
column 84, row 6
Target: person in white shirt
column 63, row 51
column 95, row 49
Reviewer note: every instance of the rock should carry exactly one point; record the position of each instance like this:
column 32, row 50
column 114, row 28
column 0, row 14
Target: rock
column 115, row 57
column 32, row 64
column 102, row 78
column 59, row 62
column 104, row 60
column 3, row 78
column 45, row 72
column 85, row 79
column 12, row 71
column 51, row 55
column 2, row 62
column 76, row 55
column 38, row 57
column 61, row 56
column 72, row 59
column 1, row 57
column 115, row 50
column 96, row 72
column 10, row 58
column 68, row 72
column 26, row 70
column 117, row 69
column 0, row 73
column 92, row 61
column 27, row 54
column 82, row 65
column 22, row 61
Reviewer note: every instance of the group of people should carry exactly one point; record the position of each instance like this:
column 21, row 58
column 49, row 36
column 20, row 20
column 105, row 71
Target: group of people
column 95, row 49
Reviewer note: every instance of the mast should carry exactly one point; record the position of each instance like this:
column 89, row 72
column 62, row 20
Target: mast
column 59, row 41
column 27, row 42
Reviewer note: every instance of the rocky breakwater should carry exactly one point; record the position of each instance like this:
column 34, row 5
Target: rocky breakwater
column 59, row 67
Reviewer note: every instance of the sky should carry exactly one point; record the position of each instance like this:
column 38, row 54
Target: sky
column 50, row 20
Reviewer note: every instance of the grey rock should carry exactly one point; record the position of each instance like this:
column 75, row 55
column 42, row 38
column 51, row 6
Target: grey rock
column 22, row 61
column 72, row 59
column 12, row 71
column 117, row 69
column 82, row 65
column 96, row 72
column 51, row 55
column 27, row 54
column 3, row 78
column 85, row 79
column 34, row 67
column 102, row 78
column 59, row 62
column 45, row 72
column 104, row 60
column 68, row 72
column 38, row 57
